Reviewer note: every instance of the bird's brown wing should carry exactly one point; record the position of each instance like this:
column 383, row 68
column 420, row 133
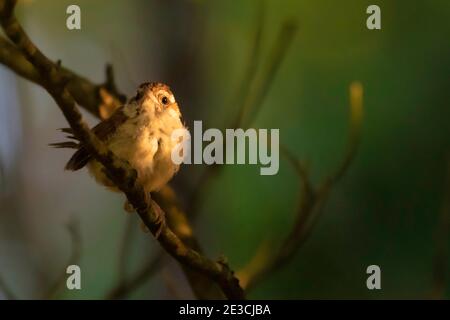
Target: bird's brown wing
column 103, row 130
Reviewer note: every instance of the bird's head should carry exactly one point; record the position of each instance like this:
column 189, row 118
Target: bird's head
column 156, row 98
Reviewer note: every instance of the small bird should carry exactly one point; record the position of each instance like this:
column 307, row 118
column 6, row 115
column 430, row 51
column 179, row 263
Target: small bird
column 138, row 132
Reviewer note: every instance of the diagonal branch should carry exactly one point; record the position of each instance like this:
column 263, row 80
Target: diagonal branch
column 177, row 221
column 253, row 89
column 119, row 171
column 259, row 88
column 93, row 97
column 311, row 201
column 202, row 287
column 249, row 78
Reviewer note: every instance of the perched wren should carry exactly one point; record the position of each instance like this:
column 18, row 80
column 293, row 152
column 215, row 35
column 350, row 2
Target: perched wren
column 138, row 132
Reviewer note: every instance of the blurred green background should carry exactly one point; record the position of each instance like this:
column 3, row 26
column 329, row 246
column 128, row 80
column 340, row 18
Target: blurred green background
column 385, row 211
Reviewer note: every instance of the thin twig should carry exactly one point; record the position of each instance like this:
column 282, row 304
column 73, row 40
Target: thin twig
column 267, row 259
column 260, row 87
column 252, row 64
column 356, row 116
column 252, row 92
column 87, row 94
column 75, row 242
column 311, row 201
column 241, row 99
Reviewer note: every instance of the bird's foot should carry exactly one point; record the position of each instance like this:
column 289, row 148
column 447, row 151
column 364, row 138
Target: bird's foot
column 144, row 227
column 128, row 207
column 160, row 218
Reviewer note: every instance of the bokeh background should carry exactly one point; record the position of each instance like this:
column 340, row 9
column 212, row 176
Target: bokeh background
column 385, row 211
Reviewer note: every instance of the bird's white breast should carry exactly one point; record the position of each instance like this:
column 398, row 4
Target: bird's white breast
column 147, row 145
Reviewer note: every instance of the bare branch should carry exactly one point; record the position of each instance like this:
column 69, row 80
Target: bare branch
column 202, row 287
column 252, row 65
column 356, row 116
column 109, row 95
column 178, row 222
column 117, row 170
column 311, row 201
column 87, row 94
column 260, row 87
column 13, row 58
column 253, row 90
column 267, row 259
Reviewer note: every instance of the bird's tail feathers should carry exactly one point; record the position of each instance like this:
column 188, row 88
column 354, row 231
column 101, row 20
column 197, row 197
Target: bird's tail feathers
column 80, row 158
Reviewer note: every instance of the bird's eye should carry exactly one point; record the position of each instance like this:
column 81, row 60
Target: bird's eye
column 164, row 100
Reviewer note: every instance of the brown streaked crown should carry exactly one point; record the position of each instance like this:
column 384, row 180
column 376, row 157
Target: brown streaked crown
column 153, row 86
